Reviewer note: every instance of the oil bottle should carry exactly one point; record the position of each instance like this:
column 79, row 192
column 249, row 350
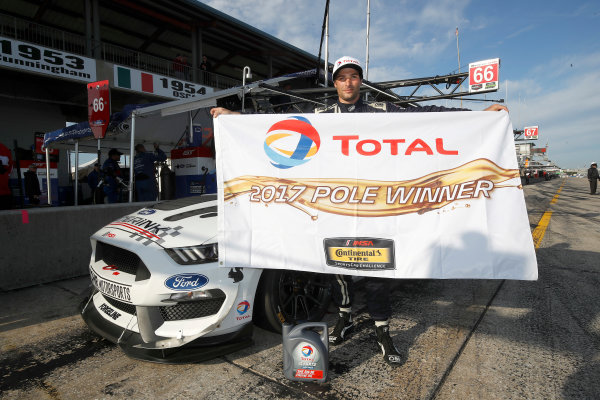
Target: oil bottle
column 305, row 352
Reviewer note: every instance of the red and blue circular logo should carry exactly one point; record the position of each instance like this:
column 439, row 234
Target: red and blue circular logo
column 307, row 351
column 291, row 142
column 243, row 307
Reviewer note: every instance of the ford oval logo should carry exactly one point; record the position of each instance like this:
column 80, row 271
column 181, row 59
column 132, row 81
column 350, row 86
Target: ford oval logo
column 186, row 281
column 147, row 212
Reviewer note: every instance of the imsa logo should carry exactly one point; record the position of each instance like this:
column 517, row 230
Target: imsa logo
column 360, row 253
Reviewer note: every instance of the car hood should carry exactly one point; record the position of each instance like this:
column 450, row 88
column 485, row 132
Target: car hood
column 190, row 221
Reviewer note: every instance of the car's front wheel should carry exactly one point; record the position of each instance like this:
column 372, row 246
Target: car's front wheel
column 291, row 296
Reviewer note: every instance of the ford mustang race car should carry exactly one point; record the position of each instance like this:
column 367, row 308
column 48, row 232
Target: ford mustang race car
column 159, row 292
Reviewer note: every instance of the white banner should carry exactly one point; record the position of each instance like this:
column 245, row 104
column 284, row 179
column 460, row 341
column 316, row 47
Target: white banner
column 398, row 195
column 44, row 60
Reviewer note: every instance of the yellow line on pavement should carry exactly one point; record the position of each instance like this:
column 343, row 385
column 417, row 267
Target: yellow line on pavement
column 540, row 229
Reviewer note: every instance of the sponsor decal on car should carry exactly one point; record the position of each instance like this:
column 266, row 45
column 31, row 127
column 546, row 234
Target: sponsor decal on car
column 111, row 289
column 147, row 212
column 360, row 253
column 109, row 235
column 189, row 281
column 106, row 309
column 236, row 274
column 242, row 309
column 111, row 268
column 145, row 230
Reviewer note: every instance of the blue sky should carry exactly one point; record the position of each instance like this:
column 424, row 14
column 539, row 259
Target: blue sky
column 549, row 51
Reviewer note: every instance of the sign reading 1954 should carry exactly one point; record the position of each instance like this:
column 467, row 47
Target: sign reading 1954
column 43, row 60
column 133, row 79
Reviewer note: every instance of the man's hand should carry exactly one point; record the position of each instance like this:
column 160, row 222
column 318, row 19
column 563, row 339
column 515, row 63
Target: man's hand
column 215, row 112
column 496, row 107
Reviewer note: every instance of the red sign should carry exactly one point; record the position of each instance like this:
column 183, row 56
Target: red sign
column 98, row 108
column 530, row 132
column 39, row 145
column 483, row 75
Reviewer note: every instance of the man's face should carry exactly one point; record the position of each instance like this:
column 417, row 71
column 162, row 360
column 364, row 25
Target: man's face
column 347, row 83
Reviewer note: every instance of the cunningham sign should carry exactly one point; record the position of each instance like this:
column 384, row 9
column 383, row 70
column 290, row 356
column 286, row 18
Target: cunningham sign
column 415, row 195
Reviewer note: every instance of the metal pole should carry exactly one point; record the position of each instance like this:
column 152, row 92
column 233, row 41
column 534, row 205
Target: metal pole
column 131, row 149
column 326, row 69
column 48, row 186
column 76, row 173
column 368, row 28
column 191, row 127
column 458, row 52
column 245, row 73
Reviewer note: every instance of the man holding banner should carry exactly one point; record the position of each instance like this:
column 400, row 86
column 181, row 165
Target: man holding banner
column 347, row 78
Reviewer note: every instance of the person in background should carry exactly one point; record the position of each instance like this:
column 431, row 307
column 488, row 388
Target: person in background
column 146, row 188
column 205, row 68
column 5, row 193
column 593, row 177
column 112, row 176
column 32, row 185
column 93, row 180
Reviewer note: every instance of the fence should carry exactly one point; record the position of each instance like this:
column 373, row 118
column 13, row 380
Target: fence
column 20, row 29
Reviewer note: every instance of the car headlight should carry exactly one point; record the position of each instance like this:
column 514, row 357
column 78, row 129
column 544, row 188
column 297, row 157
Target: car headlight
column 205, row 253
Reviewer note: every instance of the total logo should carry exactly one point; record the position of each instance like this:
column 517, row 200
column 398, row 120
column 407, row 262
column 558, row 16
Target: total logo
column 307, row 351
column 291, row 142
column 306, row 354
column 242, row 309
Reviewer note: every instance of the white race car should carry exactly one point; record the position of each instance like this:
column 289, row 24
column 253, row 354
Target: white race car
column 158, row 288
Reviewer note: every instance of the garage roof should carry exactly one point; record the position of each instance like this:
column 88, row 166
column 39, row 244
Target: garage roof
column 163, row 28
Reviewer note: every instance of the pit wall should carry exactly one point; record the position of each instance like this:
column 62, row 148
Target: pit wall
column 41, row 245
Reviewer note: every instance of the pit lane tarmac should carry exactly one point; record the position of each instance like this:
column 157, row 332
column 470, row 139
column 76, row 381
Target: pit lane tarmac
column 464, row 339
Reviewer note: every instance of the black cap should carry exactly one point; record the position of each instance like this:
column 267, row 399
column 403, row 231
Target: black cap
column 112, row 152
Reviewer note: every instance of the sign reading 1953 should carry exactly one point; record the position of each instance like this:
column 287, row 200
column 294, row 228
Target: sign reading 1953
column 159, row 85
column 43, row 60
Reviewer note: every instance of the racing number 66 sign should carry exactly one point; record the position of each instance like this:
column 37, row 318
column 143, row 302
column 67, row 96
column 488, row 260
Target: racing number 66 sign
column 98, row 108
column 483, row 75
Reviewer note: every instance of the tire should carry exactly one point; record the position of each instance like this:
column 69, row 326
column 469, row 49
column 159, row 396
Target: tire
column 292, row 297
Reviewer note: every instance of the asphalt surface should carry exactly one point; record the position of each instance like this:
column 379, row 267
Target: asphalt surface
column 462, row 339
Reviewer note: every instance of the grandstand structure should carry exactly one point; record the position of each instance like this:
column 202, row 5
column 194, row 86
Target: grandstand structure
column 150, row 51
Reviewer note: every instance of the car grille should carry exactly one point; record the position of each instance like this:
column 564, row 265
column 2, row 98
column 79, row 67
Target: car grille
column 124, row 260
column 125, row 307
column 192, row 309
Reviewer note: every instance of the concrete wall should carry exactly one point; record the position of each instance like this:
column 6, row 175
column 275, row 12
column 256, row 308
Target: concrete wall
column 54, row 244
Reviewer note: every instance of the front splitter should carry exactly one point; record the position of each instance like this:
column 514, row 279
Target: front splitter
column 201, row 349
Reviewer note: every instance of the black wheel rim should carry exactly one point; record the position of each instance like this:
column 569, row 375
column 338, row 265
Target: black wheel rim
column 303, row 296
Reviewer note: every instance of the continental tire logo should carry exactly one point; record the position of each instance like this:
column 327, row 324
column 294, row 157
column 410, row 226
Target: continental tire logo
column 360, row 253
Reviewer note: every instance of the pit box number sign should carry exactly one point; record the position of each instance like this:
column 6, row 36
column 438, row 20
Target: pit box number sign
column 483, row 75
column 530, row 132
column 98, row 107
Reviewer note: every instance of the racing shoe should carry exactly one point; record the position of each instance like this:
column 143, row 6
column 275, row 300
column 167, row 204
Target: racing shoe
column 390, row 352
column 343, row 326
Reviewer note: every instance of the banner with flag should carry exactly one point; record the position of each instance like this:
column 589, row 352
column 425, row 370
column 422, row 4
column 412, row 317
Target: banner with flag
column 398, row 195
column 159, row 85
